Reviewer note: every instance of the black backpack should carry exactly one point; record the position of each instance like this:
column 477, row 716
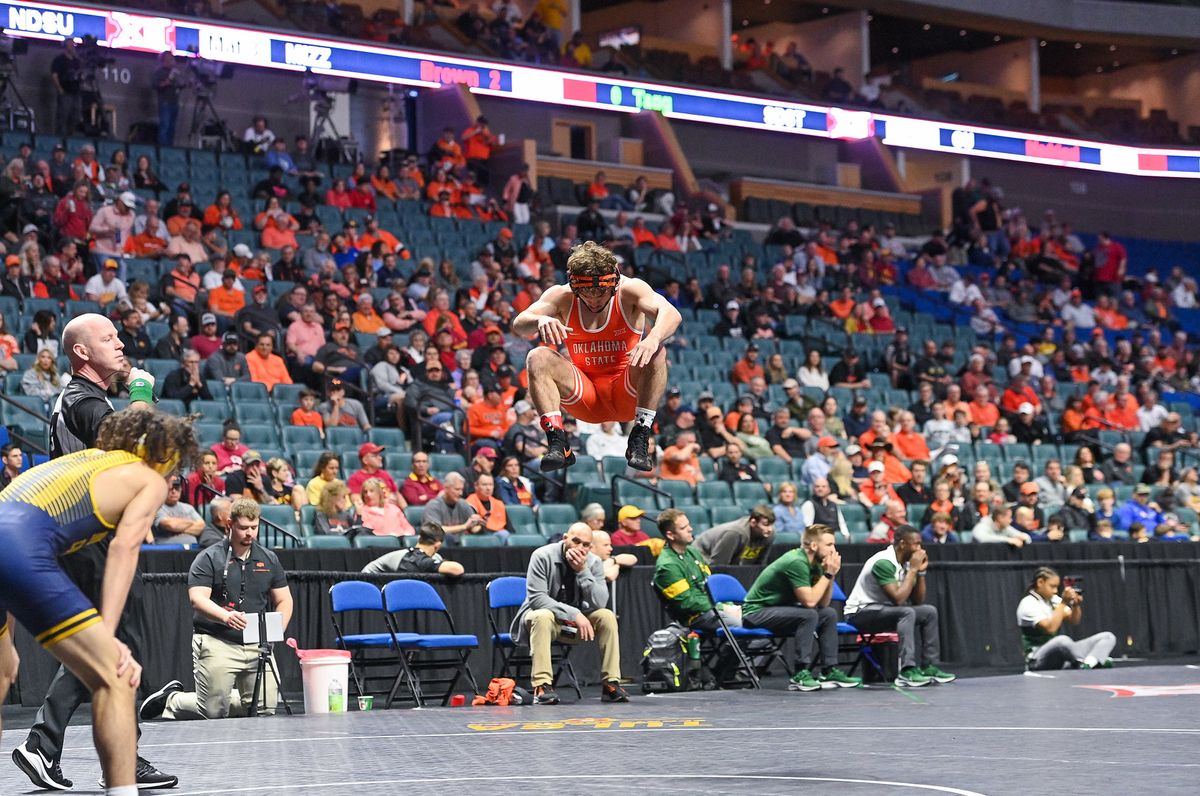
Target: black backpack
column 665, row 660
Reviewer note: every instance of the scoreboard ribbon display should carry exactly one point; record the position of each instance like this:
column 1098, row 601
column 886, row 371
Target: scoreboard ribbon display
column 298, row 52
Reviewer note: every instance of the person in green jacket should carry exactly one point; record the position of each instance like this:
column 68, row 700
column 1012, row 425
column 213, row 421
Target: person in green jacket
column 681, row 573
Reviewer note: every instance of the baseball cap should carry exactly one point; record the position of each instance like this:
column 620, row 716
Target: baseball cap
column 860, row 400
column 260, row 289
column 901, row 330
column 242, row 250
column 12, row 259
column 629, row 513
column 504, row 372
column 129, row 199
column 1142, row 489
column 506, row 233
column 705, row 395
column 880, row 443
column 522, row 407
column 486, row 452
column 951, row 459
column 1079, row 493
column 789, row 384
column 827, row 442
column 1025, row 408
column 752, row 347
column 229, row 337
column 341, row 325
column 875, row 467
column 674, row 392
column 250, row 457
column 111, row 264
column 731, row 305
column 369, row 447
column 207, row 318
column 383, row 332
column 336, row 384
column 853, row 450
column 29, row 228
column 878, row 303
column 492, row 328
column 1030, row 488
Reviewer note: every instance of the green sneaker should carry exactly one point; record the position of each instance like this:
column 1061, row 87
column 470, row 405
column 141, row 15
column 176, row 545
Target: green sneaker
column 836, row 678
column 912, row 677
column 937, row 675
column 804, row 681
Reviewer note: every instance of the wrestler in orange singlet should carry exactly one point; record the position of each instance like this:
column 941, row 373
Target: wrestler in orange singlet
column 615, row 367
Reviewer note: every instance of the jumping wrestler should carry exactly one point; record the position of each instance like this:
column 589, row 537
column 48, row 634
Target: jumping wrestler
column 59, row 508
column 611, row 372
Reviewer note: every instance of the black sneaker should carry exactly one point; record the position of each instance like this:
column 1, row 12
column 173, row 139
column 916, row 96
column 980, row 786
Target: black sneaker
column 613, row 692
column 149, row 777
column 637, row 452
column 42, row 771
column 154, row 705
column 544, row 695
column 559, row 455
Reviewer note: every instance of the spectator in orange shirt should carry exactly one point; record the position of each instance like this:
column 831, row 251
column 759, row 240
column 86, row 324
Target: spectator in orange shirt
column 894, row 471
column 641, row 235
column 954, row 402
column 489, row 420
column 981, row 410
column 495, row 516
column 681, row 461
column 598, row 191
column 221, row 213
column 876, row 491
column 440, row 315
column 843, row 305
column 479, row 140
column 147, row 243
column 366, row 318
column 747, row 367
column 1108, row 316
column 447, row 154
column 1019, row 392
column 267, row 367
column 226, row 300
column 444, row 208
column 306, row 413
column 908, row 443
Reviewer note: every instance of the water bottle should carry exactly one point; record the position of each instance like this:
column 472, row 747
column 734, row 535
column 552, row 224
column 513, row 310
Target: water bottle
column 693, row 664
column 693, row 646
column 337, row 697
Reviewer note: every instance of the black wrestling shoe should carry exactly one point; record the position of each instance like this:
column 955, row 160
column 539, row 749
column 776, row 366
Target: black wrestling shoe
column 637, row 452
column 41, row 770
column 154, row 705
column 149, row 777
column 559, row 455
column 613, row 692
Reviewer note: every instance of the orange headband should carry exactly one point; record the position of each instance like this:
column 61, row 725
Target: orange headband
column 577, row 281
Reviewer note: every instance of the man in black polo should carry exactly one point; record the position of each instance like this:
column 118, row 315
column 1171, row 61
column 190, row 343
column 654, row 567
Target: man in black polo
column 227, row 583
column 97, row 357
column 424, row 557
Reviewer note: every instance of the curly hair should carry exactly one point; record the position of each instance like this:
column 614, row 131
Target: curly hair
column 331, row 493
column 591, row 259
column 154, row 436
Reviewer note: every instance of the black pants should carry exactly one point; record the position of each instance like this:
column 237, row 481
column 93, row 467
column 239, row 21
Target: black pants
column 916, row 625
column 809, row 625
column 66, row 693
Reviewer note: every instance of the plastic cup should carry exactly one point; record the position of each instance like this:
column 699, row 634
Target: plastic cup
column 366, row 702
column 457, row 701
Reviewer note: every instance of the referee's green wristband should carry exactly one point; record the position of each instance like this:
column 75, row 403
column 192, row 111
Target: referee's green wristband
column 141, row 391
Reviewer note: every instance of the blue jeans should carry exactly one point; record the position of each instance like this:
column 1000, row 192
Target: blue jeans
column 168, row 112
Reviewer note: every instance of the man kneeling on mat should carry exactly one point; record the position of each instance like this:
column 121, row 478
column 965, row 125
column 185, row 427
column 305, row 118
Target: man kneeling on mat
column 1040, row 616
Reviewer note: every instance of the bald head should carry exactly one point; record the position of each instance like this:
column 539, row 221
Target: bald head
column 94, row 349
column 602, row 545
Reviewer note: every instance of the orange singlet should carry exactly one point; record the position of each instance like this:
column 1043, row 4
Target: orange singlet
column 600, row 358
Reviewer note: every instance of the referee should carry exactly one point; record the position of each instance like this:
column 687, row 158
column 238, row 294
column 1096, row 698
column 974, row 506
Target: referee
column 97, row 360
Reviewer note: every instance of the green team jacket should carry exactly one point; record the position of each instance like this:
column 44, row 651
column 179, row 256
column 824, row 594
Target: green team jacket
column 680, row 579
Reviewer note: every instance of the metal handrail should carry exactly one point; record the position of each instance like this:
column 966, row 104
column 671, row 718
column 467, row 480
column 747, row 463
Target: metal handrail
column 262, row 520
column 616, row 504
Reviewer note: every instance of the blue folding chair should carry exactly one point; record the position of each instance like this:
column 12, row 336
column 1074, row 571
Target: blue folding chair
column 362, row 600
column 505, row 595
column 748, row 642
column 420, row 654
column 858, row 644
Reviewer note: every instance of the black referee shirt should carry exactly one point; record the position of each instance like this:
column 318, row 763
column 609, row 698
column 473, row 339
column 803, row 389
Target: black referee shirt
column 75, row 420
column 261, row 572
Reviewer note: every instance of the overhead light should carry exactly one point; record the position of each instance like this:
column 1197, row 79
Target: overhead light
column 1099, row 68
column 1116, row 64
column 825, row 10
column 926, row 26
column 745, row 23
column 895, row 51
column 1174, row 51
column 962, row 33
column 870, row 17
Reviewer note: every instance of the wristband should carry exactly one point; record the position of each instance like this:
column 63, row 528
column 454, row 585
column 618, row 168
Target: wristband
column 828, row 575
column 921, row 573
column 141, row 390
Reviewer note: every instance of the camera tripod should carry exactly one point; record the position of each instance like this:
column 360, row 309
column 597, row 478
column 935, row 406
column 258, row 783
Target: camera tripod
column 13, row 107
column 265, row 662
column 205, row 119
column 325, row 133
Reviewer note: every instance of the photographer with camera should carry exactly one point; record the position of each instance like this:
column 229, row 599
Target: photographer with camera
column 226, row 584
column 169, row 81
column 1040, row 617
column 65, row 74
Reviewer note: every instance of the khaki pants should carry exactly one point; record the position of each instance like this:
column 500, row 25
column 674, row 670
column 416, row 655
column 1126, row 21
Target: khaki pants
column 220, row 666
column 543, row 628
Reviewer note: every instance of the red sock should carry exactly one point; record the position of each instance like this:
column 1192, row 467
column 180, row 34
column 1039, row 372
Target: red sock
column 552, row 420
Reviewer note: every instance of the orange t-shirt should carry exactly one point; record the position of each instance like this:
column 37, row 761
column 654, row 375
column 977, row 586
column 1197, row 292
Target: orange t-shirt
column 226, row 301
column 842, row 308
column 310, row 418
column 486, row 421
column 985, row 415
column 367, row 324
column 269, row 371
column 909, row 445
column 680, row 471
column 495, row 517
column 743, row 371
